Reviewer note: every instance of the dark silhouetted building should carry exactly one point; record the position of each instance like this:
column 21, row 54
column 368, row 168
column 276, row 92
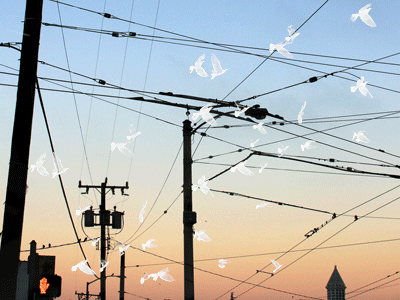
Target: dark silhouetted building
column 336, row 286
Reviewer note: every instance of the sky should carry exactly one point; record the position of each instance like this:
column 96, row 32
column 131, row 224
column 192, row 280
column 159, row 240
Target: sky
column 247, row 236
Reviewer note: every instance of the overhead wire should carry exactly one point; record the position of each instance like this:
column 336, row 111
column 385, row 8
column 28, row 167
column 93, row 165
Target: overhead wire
column 371, row 289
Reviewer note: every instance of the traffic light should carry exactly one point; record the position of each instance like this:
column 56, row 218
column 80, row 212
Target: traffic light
column 50, row 286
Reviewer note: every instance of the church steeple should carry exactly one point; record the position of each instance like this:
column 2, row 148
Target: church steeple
column 336, row 286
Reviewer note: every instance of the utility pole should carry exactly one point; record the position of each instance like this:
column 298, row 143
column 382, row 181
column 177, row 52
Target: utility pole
column 104, row 221
column 189, row 216
column 20, row 146
column 122, row 278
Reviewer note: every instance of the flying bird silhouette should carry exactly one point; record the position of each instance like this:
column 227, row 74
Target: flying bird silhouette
column 201, row 236
column 122, row 249
column 39, row 166
column 58, row 168
column 276, row 264
column 78, row 212
column 252, row 144
column 262, row 168
column 142, row 212
column 292, row 36
column 242, row 169
column 205, row 114
column 223, row 262
column 262, row 205
column 198, row 68
column 240, row 111
column 364, row 16
column 121, row 147
column 84, row 268
column 281, row 150
column 280, row 49
column 217, row 67
column 103, row 265
column 132, row 136
column 162, row 274
column 360, row 137
column 144, row 278
column 361, row 87
column 149, row 245
column 260, row 127
column 308, row 145
column 301, row 113
column 202, row 185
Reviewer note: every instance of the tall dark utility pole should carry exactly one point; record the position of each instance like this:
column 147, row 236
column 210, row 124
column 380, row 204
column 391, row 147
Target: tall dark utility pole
column 189, row 216
column 104, row 221
column 122, row 278
column 20, row 146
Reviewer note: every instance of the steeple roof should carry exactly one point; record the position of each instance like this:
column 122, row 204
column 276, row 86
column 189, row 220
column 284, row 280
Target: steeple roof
column 335, row 282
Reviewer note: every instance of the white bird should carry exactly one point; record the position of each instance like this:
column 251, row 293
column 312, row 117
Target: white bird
column 142, row 212
column 242, row 169
column 122, row 249
column 280, row 49
column 84, row 268
column 260, row 127
column 103, row 265
column 121, row 147
column 253, row 144
column 201, row 236
column 145, row 277
column 217, row 67
column 163, row 275
column 95, row 241
column 39, row 166
column 281, row 150
column 276, row 264
column 132, row 136
column 223, row 262
column 239, row 111
column 361, row 87
column 78, row 212
column 262, row 168
column 202, row 185
column 301, row 113
column 308, row 145
column 198, row 68
column 205, row 114
column 360, row 137
column 364, row 16
column 58, row 168
column 262, row 205
column 292, row 36
column 149, row 245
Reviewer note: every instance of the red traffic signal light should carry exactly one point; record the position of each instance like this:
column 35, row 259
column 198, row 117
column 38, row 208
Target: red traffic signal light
column 50, row 285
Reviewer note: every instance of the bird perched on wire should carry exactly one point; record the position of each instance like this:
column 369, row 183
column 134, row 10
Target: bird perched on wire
column 49, row 245
column 308, row 145
column 260, row 127
column 360, row 137
column 197, row 66
column 301, row 113
column 58, row 168
column 291, row 36
column 85, row 239
column 149, row 245
column 364, row 16
column 121, row 147
column 201, row 236
column 242, row 169
column 204, row 112
column 217, row 67
column 240, row 111
column 202, row 185
column 43, row 246
column 276, row 264
column 39, row 166
column 361, row 87
column 223, row 262
column 84, row 268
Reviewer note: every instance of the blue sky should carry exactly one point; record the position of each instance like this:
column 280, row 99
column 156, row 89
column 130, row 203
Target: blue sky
column 233, row 224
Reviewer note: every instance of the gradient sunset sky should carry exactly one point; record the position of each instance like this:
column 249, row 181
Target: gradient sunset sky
column 248, row 237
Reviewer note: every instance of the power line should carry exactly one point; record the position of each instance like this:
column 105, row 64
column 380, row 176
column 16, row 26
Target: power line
column 363, row 292
column 372, row 283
